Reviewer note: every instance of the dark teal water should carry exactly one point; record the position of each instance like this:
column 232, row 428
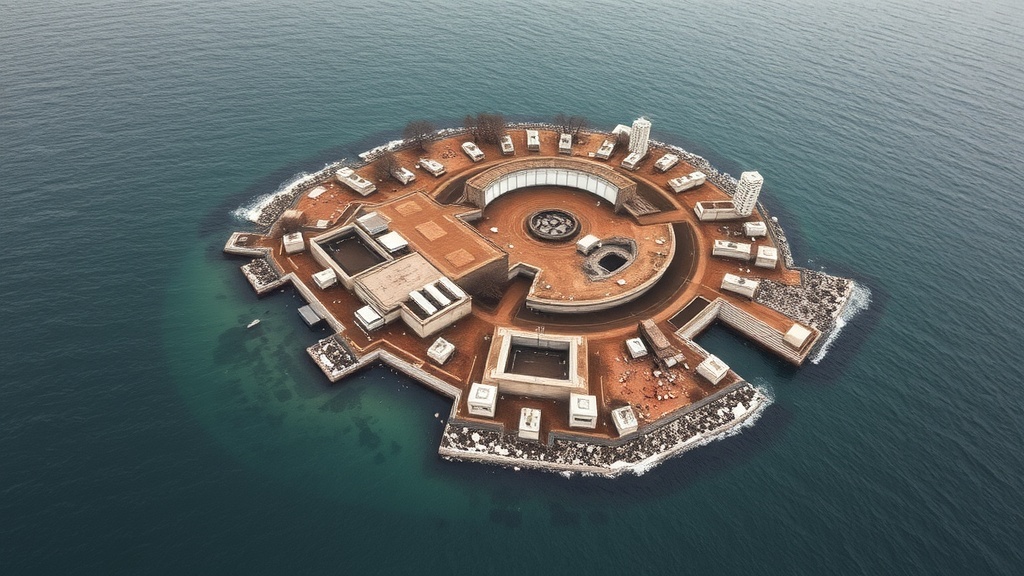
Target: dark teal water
column 143, row 429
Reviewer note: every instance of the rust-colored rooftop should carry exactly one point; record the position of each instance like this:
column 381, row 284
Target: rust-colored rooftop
column 519, row 280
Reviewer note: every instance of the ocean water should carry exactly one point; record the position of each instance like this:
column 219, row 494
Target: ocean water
column 144, row 429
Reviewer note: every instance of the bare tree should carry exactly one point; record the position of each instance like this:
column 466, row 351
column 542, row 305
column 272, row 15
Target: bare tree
column 484, row 127
column 385, row 164
column 491, row 127
column 622, row 139
column 472, row 126
column 573, row 125
column 419, row 132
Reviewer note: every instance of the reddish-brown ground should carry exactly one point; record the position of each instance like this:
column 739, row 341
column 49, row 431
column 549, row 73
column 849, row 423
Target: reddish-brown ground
column 434, row 229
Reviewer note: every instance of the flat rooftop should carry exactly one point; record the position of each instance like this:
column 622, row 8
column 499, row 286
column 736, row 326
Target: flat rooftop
column 669, row 240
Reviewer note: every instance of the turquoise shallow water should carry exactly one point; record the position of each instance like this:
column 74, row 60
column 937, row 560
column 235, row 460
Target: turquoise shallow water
column 142, row 428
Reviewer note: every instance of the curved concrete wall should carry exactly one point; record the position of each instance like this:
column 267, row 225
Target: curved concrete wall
column 510, row 175
column 552, row 177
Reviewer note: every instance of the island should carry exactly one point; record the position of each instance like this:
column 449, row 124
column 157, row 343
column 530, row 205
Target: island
column 551, row 283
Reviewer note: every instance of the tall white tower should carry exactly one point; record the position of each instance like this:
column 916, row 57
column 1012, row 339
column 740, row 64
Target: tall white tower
column 639, row 135
column 747, row 190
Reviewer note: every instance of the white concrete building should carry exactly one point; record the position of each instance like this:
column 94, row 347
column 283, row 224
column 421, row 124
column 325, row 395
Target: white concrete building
column 737, row 285
column 687, row 182
column 373, row 222
column 728, row 249
column 588, row 244
column 713, row 369
column 565, row 143
column 368, row 318
column 640, row 136
column 747, row 190
column 619, row 130
column 392, row 241
column 483, row 399
column 582, row 411
column 636, row 348
column 529, row 424
column 293, row 243
column 767, row 257
column 605, row 151
column 473, row 151
column 325, row 278
column 357, row 183
column 432, row 166
column 441, row 351
column 797, row 336
column 755, row 229
column 625, row 420
column 715, row 210
column 403, row 175
column 666, row 162
column 533, row 140
column 507, row 147
column 632, row 161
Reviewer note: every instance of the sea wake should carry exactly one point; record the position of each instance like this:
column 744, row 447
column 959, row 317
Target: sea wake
column 858, row 301
column 253, row 211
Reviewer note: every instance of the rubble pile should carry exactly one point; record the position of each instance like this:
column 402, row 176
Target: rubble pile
column 816, row 302
column 703, row 423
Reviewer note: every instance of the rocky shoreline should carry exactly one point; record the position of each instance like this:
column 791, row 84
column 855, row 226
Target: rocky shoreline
column 637, row 453
column 817, row 301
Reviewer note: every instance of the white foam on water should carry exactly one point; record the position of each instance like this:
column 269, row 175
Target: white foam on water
column 252, row 211
column 369, row 154
column 766, row 400
column 857, row 302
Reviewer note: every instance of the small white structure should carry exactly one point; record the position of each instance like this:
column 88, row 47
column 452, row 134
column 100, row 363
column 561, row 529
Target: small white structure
column 767, row 257
column 293, row 243
column 421, row 301
column 433, row 166
column 529, row 424
column 373, row 222
column 473, row 151
column 621, row 129
column 639, row 136
column 713, row 369
column 797, row 336
column 742, row 286
column 565, row 143
column 582, row 411
column 316, row 192
column 483, row 399
column 727, row 249
column 403, row 174
column 625, row 420
column 666, row 162
column 368, row 318
column 684, row 183
column 507, row 148
column 436, row 296
column 755, row 229
column 716, row 210
column 392, row 241
column 441, row 351
column 636, row 348
column 588, row 244
column 533, row 140
column 747, row 190
column 605, row 151
column 632, row 161
column 325, row 278
column 357, row 183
